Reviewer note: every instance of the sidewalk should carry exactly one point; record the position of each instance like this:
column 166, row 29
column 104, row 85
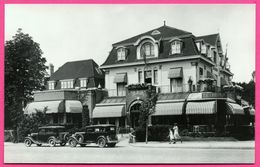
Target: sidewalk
column 200, row 145
column 192, row 144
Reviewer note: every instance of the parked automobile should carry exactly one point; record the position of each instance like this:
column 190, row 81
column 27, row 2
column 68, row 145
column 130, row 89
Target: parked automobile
column 102, row 135
column 51, row 135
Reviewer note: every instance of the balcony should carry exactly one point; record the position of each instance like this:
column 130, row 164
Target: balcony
column 174, row 89
column 186, row 88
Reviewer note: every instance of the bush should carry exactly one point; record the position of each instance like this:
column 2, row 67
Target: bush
column 155, row 133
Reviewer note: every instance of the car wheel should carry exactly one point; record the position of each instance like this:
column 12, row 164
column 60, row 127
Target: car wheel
column 72, row 143
column 101, row 142
column 111, row 145
column 39, row 145
column 52, row 142
column 62, row 144
column 27, row 142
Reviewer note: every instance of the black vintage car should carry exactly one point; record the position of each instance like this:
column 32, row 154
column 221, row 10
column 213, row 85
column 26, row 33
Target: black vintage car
column 103, row 135
column 48, row 134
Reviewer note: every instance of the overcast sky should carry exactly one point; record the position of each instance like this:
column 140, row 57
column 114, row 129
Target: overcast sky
column 78, row 32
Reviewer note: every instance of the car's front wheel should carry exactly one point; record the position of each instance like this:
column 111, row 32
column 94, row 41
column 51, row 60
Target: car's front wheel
column 101, row 142
column 52, row 142
column 72, row 143
column 27, row 142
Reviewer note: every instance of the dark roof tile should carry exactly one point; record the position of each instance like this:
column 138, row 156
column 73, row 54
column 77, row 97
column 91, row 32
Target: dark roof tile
column 210, row 39
column 78, row 69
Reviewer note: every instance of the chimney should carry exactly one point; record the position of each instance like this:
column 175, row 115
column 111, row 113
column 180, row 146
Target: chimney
column 51, row 68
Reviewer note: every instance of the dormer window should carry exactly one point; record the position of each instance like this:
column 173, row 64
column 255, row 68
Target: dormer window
column 203, row 49
column 51, row 85
column 147, row 50
column 83, row 82
column 176, row 47
column 67, row 84
column 121, row 54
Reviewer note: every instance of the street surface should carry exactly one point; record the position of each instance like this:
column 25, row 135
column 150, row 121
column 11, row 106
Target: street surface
column 134, row 153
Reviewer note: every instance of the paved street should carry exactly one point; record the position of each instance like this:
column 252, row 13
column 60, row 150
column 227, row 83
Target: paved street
column 187, row 152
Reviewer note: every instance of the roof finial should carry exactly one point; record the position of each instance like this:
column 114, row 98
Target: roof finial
column 164, row 23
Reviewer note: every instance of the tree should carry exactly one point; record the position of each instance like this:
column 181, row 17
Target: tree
column 248, row 92
column 24, row 73
column 147, row 108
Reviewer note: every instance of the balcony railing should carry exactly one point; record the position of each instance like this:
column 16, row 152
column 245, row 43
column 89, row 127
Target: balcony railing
column 174, row 89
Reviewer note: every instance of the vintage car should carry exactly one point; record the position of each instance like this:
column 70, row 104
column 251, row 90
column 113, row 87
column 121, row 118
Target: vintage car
column 103, row 135
column 51, row 135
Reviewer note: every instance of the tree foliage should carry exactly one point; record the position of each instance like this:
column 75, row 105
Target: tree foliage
column 30, row 123
column 248, row 92
column 147, row 108
column 24, row 73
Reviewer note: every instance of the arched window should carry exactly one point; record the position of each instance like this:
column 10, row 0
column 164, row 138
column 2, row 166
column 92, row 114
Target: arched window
column 121, row 54
column 176, row 47
column 147, row 49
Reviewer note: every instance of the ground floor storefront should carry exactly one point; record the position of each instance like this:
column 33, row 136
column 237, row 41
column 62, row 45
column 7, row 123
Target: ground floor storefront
column 192, row 114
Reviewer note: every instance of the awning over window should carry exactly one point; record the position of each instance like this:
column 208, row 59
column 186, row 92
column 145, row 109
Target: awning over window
column 73, row 106
column 175, row 73
column 174, row 108
column 51, row 107
column 109, row 111
column 235, row 109
column 120, row 78
column 207, row 107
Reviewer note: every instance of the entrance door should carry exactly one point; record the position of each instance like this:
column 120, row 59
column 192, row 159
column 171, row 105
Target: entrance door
column 134, row 119
column 134, row 115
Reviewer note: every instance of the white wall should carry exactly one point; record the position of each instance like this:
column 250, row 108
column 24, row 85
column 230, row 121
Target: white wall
column 163, row 70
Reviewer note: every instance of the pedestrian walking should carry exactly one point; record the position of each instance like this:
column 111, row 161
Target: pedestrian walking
column 176, row 135
column 132, row 136
column 170, row 136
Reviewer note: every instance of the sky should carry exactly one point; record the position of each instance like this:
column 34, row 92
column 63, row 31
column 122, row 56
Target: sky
column 78, row 32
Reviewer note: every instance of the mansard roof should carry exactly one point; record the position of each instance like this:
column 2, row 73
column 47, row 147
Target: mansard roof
column 78, row 69
column 210, row 39
column 163, row 36
column 164, row 32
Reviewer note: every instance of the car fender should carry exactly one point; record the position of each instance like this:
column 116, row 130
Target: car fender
column 32, row 140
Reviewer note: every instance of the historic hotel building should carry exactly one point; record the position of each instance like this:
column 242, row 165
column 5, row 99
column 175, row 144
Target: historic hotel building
column 187, row 71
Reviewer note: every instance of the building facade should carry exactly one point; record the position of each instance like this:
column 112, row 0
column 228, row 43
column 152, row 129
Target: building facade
column 73, row 90
column 187, row 71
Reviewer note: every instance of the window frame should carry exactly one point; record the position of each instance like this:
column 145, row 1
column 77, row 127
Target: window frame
column 151, row 49
column 67, row 84
column 176, row 46
column 121, row 54
column 51, row 85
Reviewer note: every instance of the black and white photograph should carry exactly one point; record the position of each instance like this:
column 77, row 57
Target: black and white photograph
column 129, row 84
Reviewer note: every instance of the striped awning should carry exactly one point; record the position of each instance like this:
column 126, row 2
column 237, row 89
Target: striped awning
column 73, row 106
column 175, row 73
column 109, row 111
column 173, row 108
column 120, row 78
column 235, row 109
column 50, row 106
column 203, row 107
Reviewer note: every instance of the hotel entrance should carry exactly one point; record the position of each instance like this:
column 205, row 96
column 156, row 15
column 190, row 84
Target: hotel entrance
column 134, row 115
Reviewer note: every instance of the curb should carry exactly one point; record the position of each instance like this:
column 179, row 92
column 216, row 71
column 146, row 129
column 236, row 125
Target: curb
column 191, row 147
